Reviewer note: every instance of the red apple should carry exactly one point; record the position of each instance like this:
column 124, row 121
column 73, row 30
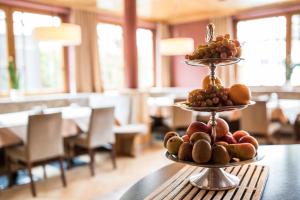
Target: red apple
column 239, row 134
column 186, row 138
column 228, row 138
column 197, row 127
column 222, row 128
column 249, row 139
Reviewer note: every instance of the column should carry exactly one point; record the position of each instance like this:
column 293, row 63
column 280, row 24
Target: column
column 130, row 47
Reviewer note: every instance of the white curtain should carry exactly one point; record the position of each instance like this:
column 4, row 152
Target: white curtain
column 223, row 25
column 163, row 65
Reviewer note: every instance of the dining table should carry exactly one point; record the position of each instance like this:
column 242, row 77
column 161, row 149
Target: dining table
column 283, row 180
column 13, row 126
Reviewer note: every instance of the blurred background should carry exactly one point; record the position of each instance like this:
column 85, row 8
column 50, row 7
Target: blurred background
column 113, row 70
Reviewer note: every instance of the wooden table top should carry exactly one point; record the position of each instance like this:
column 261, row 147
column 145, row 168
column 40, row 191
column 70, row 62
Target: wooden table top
column 283, row 181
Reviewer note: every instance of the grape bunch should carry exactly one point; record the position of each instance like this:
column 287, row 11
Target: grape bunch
column 222, row 47
column 213, row 96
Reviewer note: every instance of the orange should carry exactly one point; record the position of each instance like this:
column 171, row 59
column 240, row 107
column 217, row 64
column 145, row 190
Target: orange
column 240, row 94
column 206, row 82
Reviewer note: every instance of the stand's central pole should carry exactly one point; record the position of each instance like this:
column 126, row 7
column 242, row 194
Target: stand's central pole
column 213, row 119
column 213, row 123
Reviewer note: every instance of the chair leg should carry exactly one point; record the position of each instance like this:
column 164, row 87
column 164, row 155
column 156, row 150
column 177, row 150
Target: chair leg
column 44, row 171
column 62, row 172
column 29, row 168
column 8, row 164
column 70, row 155
column 91, row 153
column 113, row 155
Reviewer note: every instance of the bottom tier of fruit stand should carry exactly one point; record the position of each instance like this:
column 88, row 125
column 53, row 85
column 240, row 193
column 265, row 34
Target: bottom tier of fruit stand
column 214, row 177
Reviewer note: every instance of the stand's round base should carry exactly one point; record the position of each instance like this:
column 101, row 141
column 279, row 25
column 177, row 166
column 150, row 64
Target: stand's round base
column 214, row 179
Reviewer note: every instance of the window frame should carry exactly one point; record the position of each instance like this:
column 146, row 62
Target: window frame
column 288, row 16
column 11, row 46
column 140, row 24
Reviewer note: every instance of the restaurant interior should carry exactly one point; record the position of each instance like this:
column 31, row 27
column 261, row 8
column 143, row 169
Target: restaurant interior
column 98, row 98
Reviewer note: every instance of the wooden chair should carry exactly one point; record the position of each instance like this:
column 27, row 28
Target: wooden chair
column 100, row 133
column 44, row 144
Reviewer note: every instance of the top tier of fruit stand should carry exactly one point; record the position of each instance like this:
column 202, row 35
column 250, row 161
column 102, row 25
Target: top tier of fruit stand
column 212, row 63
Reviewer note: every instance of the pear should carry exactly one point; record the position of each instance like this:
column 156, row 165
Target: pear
column 225, row 144
column 244, row 151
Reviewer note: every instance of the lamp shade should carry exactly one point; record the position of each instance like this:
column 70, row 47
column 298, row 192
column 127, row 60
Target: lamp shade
column 176, row 46
column 65, row 34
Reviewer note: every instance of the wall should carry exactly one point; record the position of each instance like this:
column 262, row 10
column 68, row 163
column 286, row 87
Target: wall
column 182, row 74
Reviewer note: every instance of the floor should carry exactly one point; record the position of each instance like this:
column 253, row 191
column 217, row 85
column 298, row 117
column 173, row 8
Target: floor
column 107, row 184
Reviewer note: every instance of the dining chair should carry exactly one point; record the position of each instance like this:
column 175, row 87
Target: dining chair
column 100, row 133
column 44, row 144
column 256, row 120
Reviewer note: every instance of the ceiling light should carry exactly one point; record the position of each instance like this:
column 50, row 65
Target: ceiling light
column 66, row 34
column 176, row 46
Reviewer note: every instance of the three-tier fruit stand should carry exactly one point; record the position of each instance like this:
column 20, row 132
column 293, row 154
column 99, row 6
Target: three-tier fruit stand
column 213, row 177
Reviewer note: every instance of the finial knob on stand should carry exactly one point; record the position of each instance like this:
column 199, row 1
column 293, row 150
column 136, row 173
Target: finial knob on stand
column 210, row 29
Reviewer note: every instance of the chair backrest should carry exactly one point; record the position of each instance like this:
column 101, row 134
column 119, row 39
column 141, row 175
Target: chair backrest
column 101, row 127
column 121, row 102
column 254, row 119
column 44, row 137
column 181, row 118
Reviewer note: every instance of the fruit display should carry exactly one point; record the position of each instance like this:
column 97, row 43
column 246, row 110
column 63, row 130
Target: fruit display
column 215, row 95
column 212, row 145
column 221, row 47
column 198, row 146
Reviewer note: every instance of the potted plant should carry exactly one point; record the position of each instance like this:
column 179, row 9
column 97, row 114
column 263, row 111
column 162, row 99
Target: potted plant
column 14, row 78
column 288, row 75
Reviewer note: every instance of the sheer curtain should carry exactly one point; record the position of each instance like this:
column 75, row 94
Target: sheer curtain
column 87, row 70
column 163, row 71
column 228, row 74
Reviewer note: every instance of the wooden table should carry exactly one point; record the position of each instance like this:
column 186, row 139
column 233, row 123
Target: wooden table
column 283, row 181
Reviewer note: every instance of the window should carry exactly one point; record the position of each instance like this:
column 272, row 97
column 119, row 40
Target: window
column 145, row 57
column 264, row 49
column 3, row 54
column 295, row 52
column 40, row 65
column 110, row 42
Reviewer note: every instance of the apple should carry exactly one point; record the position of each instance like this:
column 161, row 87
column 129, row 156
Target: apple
column 197, row 127
column 228, row 138
column 222, row 127
column 239, row 134
column 249, row 139
column 186, row 138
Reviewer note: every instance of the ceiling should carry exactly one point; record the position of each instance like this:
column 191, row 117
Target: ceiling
column 171, row 11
